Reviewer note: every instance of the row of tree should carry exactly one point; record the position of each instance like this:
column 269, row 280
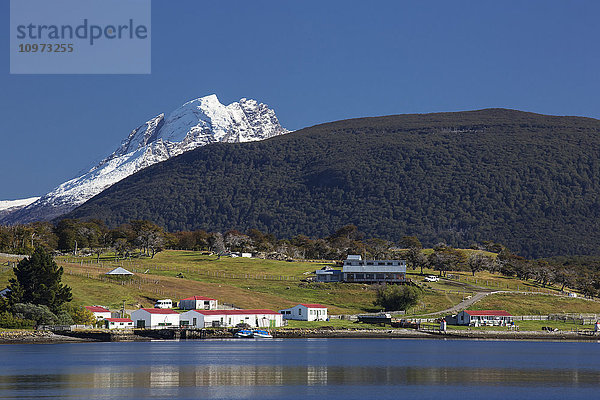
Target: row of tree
column 146, row 238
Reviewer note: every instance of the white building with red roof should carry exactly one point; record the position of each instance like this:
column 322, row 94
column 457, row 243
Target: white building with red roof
column 99, row 312
column 306, row 312
column 484, row 317
column 231, row 318
column 198, row 303
column 155, row 318
column 118, row 323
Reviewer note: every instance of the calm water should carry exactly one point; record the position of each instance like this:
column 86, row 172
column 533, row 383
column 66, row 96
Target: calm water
column 302, row 369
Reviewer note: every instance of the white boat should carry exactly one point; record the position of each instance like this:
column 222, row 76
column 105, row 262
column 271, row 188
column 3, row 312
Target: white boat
column 258, row 333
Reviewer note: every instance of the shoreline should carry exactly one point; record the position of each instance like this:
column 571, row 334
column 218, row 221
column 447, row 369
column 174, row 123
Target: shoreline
column 46, row 337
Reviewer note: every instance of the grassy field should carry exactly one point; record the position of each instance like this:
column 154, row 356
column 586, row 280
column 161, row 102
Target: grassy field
column 534, row 304
column 256, row 283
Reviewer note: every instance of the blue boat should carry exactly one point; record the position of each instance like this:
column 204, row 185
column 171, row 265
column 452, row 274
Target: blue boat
column 244, row 333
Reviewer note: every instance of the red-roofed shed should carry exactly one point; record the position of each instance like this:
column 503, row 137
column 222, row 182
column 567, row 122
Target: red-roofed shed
column 99, row 312
column 119, row 323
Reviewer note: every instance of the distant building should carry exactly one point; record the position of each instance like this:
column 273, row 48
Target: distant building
column 4, row 292
column 358, row 270
column 305, row 312
column 483, row 317
column 155, row 318
column 119, row 272
column 329, row 275
column 231, row 318
column 119, row 323
column 99, row 312
column 198, row 303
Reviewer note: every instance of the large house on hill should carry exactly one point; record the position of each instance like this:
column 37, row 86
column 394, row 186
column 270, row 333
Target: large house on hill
column 358, row 270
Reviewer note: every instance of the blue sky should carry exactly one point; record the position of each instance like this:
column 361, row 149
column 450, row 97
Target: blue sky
column 313, row 62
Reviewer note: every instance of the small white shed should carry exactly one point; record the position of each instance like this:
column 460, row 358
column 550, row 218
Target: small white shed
column 198, row 303
column 99, row 312
column 231, row 318
column 119, row 323
column 306, row 312
column 155, row 318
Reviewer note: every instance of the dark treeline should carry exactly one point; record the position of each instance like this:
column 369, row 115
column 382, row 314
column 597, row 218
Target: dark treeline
column 144, row 238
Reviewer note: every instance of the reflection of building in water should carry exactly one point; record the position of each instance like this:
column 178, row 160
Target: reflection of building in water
column 108, row 377
column 316, row 375
column 164, row 376
column 239, row 375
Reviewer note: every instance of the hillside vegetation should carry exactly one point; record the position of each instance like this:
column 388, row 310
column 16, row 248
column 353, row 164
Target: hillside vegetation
column 528, row 181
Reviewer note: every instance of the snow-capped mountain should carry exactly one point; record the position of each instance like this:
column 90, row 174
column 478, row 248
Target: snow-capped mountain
column 197, row 123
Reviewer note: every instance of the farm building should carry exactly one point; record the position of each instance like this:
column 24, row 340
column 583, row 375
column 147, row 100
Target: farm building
column 231, row 318
column 198, row 303
column 155, row 318
column 305, row 312
column 328, row 275
column 373, row 271
column 99, row 312
column 119, row 323
column 484, row 317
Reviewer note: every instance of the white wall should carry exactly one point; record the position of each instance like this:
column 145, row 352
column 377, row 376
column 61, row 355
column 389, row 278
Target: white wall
column 303, row 313
column 197, row 304
column 231, row 320
column 155, row 321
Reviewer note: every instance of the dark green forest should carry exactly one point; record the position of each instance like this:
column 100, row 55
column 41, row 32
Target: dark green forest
column 528, row 181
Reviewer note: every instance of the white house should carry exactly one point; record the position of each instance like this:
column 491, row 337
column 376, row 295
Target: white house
column 231, row 318
column 155, row 318
column 119, row 323
column 306, row 312
column 373, row 271
column 483, row 317
column 99, row 312
column 198, row 303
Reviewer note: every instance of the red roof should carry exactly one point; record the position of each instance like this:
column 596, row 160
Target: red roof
column 118, row 319
column 97, row 309
column 313, row 305
column 198, row 298
column 159, row 310
column 490, row 313
column 235, row 312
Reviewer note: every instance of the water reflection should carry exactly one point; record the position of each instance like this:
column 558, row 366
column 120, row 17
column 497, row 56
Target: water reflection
column 255, row 375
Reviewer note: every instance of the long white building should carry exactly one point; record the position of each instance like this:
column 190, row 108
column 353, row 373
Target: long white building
column 231, row 318
column 373, row 271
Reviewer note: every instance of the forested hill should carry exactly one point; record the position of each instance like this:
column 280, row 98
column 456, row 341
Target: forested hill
column 528, row 181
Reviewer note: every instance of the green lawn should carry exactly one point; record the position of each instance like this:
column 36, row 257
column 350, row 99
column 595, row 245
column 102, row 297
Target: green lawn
column 535, row 304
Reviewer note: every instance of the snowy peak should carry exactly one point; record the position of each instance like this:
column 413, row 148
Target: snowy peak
column 196, row 123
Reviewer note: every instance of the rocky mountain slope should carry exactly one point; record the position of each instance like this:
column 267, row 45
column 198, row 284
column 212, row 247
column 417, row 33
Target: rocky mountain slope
column 197, row 123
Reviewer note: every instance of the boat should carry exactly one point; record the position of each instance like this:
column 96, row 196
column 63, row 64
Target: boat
column 244, row 333
column 258, row 333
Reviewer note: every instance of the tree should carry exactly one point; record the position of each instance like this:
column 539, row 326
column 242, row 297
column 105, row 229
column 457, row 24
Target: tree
column 415, row 258
column 479, row 262
column 38, row 281
column 410, row 242
column 396, row 298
